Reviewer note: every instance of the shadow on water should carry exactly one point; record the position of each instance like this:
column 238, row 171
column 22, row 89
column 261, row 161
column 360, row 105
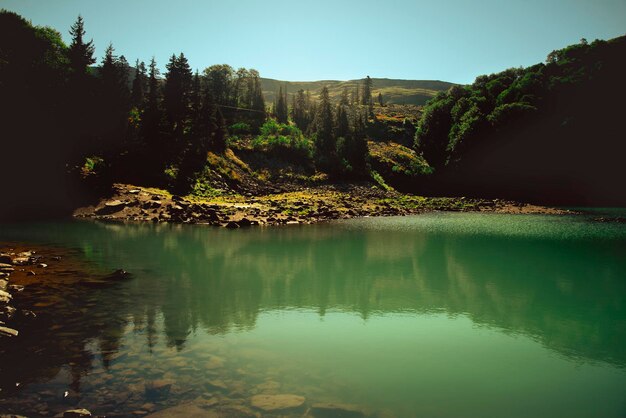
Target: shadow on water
column 559, row 282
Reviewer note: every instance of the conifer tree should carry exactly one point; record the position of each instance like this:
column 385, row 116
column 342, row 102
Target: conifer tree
column 177, row 91
column 281, row 110
column 300, row 114
column 366, row 99
column 139, row 85
column 324, row 143
column 344, row 100
column 80, row 53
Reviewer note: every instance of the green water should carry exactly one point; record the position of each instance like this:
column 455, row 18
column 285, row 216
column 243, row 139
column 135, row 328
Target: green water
column 438, row 315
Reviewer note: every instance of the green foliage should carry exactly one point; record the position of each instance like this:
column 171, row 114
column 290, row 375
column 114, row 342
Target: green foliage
column 240, row 128
column 93, row 165
column 283, row 140
column 380, row 181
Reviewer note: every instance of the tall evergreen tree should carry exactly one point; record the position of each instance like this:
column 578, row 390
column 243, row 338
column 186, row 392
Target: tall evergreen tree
column 282, row 112
column 300, row 111
column 80, row 53
column 344, row 100
column 324, row 143
column 139, row 86
column 177, row 91
column 366, row 99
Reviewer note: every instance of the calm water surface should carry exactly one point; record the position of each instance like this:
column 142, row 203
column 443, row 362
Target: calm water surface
column 438, row 315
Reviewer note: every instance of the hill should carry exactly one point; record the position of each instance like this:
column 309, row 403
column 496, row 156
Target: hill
column 416, row 92
column 552, row 132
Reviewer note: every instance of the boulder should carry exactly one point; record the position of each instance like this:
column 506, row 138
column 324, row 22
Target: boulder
column 5, row 259
column 232, row 225
column 271, row 403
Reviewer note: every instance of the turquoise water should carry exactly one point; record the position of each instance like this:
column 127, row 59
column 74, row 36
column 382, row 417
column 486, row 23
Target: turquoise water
column 437, row 315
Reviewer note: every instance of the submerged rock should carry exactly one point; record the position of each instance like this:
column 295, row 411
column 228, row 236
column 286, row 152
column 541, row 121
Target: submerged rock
column 271, row 403
column 8, row 332
column 5, row 297
column 335, row 410
column 158, row 388
column 189, row 410
column 76, row 413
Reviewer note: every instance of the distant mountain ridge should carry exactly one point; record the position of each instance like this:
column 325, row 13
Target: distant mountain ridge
column 397, row 91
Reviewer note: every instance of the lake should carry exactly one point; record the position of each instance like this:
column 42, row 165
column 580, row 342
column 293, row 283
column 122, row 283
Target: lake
column 436, row 315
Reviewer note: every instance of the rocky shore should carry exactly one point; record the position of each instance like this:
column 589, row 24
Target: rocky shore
column 25, row 263
column 303, row 206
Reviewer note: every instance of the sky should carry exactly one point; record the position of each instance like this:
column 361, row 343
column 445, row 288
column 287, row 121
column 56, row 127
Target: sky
column 449, row 40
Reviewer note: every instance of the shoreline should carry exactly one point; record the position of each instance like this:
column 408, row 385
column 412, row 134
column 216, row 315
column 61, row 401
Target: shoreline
column 304, row 206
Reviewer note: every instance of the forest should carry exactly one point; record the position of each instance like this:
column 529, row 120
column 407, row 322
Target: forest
column 72, row 125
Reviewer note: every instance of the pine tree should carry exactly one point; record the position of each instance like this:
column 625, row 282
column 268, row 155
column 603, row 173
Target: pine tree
column 344, row 100
column 177, row 90
column 342, row 130
column 80, row 53
column 282, row 112
column 139, row 85
column 324, row 143
column 366, row 99
column 300, row 114
column 258, row 116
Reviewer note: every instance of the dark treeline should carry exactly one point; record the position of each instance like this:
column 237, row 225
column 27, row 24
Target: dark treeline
column 551, row 133
column 69, row 120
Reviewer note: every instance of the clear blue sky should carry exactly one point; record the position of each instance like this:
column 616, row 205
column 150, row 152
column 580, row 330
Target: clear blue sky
column 300, row 41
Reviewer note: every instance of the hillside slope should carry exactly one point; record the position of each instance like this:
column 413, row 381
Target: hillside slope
column 552, row 132
column 416, row 92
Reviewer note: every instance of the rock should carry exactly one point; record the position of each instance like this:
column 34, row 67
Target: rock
column 335, row 410
column 7, row 311
column 8, row 332
column 3, row 274
column 5, row 266
column 3, row 284
column 245, row 222
column 110, row 207
column 5, row 296
column 21, row 261
column 269, row 403
column 42, row 265
column 216, row 384
column 16, row 287
column 119, row 274
column 232, row 225
column 134, row 191
column 189, row 410
column 5, row 259
column 76, row 413
column 31, row 273
column 158, row 388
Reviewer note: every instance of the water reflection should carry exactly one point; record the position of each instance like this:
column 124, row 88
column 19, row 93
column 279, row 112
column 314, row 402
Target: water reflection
column 570, row 295
column 567, row 294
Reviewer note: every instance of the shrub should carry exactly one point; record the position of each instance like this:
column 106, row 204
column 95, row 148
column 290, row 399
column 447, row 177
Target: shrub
column 284, row 140
column 240, row 128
